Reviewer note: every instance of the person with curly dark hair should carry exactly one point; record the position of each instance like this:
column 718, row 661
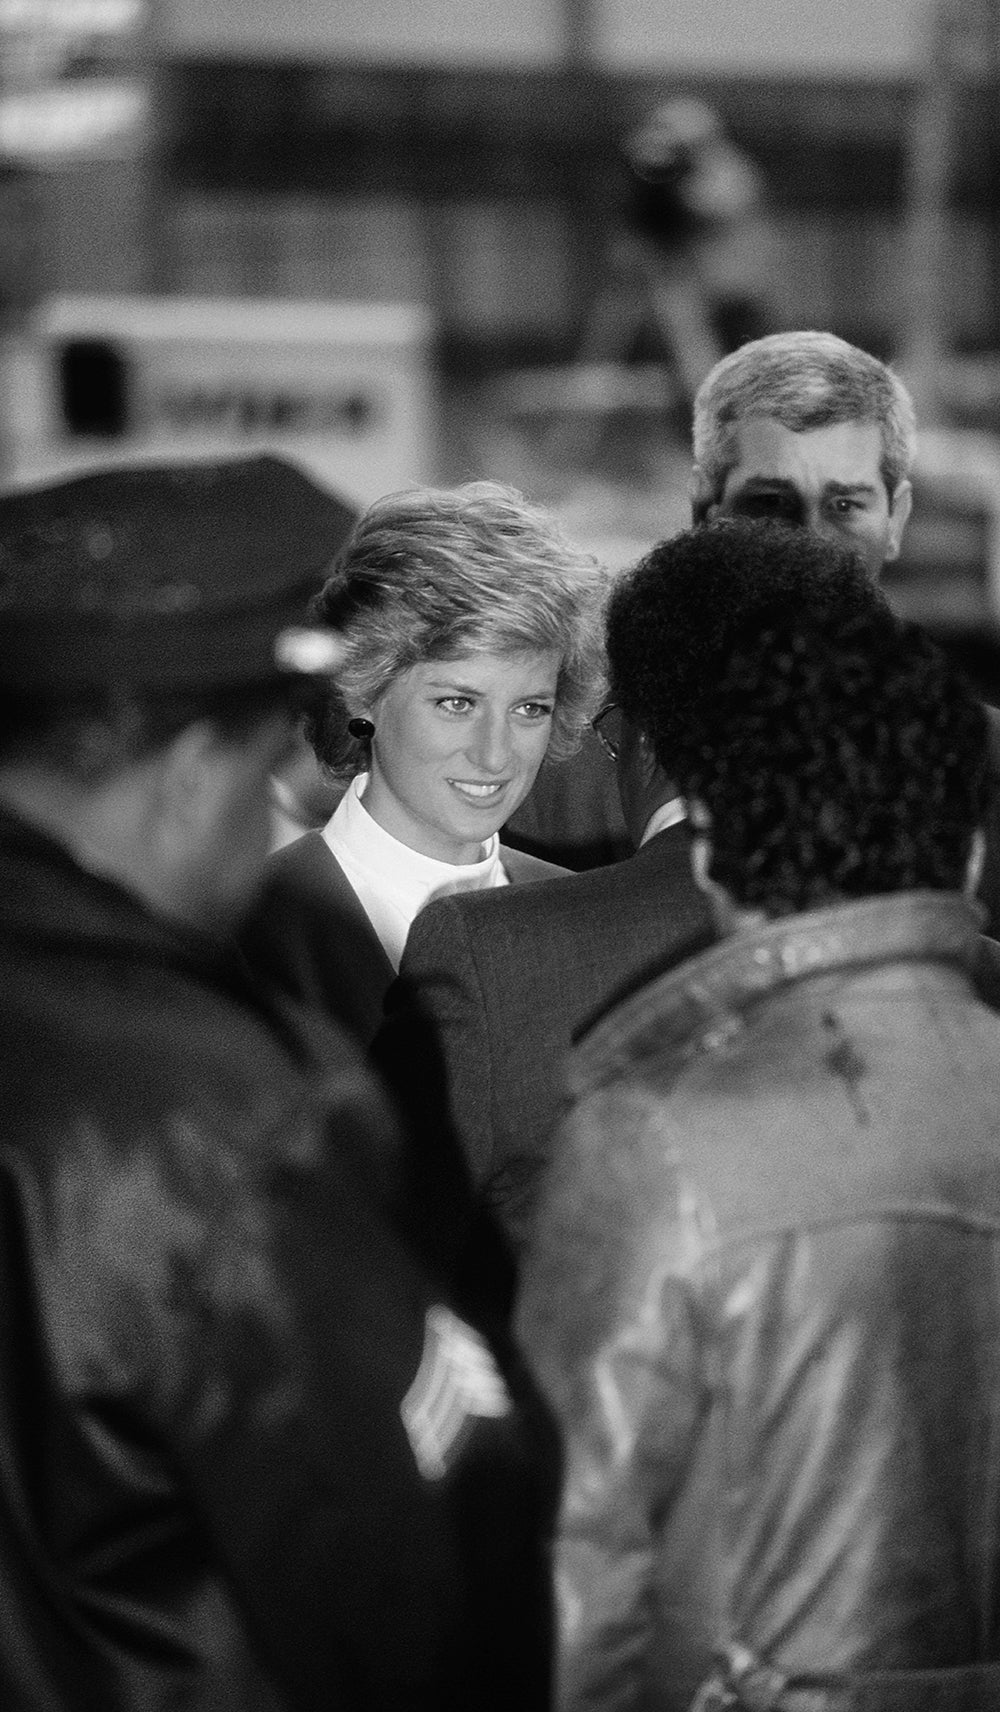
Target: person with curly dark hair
column 673, row 619
column 762, row 1293
column 833, row 767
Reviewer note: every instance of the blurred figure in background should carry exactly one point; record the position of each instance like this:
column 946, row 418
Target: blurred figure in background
column 762, row 1293
column 472, row 632
column 250, row 1456
column 689, row 185
column 686, row 187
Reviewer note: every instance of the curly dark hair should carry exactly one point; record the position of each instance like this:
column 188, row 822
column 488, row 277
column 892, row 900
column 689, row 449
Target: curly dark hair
column 673, row 620
column 841, row 756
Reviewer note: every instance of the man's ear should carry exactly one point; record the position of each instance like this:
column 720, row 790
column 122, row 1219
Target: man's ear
column 700, row 823
column 187, row 780
column 650, row 770
column 974, row 865
column 703, row 503
column 900, row 506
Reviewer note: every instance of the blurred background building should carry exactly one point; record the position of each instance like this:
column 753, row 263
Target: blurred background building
column 403, row 233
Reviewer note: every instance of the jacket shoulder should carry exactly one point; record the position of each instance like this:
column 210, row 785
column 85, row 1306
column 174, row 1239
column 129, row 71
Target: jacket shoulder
column 309, row 934
column 522, row 868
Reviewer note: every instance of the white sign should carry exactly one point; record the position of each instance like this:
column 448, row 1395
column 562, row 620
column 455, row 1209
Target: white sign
column 69, row 79
column 347, row 388
column 97, row 117
column 73, row 17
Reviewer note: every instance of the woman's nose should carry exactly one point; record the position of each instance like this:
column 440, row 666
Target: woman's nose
column 489, row 747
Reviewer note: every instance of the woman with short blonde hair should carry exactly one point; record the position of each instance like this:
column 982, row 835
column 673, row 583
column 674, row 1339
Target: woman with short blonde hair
column 473, row 642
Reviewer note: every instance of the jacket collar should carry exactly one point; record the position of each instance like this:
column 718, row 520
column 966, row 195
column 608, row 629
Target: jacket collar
column 701, row 1001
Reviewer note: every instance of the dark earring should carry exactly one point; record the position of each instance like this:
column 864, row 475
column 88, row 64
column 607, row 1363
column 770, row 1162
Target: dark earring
column 361, row 729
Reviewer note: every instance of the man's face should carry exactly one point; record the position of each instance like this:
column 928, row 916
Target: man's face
column 825, row 479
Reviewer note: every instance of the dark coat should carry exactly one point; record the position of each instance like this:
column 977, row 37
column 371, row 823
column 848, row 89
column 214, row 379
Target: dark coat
column 494, row 986
column 309, row 933
column 249, row 1458
column 764, row 1300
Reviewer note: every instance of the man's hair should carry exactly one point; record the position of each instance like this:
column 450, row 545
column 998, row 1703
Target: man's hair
column 674, row 619
column 90, row 735
column 804, row 380
column 841, row 756
column 435, row 573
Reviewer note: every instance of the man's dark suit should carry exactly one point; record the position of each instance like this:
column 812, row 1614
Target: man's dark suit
column 494, row 986
column 310, row 935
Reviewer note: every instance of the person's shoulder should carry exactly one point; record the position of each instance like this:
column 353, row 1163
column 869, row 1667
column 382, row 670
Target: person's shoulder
column 657, row 869
column 557, row 908
column 302, row 882
column 612, row 905
column 302, row 863
column 554, row 893
column 522, row 868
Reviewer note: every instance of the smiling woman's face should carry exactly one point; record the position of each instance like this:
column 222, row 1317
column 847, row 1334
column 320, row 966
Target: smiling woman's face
column 456, row 748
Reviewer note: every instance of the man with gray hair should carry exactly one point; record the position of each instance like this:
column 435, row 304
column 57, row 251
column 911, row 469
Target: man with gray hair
column 808, row 429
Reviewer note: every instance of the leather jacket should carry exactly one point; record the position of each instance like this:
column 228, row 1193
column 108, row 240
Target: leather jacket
column 250, row 1456
column 763, row 1296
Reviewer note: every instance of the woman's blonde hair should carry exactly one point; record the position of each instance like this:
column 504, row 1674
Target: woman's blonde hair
column 436, row 573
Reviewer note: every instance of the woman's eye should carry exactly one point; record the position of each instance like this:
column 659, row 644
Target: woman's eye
column 535, row 709
column 454, row 703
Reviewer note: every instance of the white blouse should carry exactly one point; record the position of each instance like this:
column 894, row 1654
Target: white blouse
column 393, row 882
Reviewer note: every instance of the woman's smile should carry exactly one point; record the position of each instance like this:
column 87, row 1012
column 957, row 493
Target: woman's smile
column 478, row 792
column 456, row 749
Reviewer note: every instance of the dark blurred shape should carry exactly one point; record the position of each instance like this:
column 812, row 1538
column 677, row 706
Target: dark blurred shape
column 657, row 307
column 93, row 388
column 686, row 176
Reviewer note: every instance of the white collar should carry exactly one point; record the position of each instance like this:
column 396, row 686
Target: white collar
column 668, row 814
column 393, row 881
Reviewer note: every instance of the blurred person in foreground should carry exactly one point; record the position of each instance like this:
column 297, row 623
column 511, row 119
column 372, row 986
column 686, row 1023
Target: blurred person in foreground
column 497, row 986
column 250, row 1456
column 763, row 1292
column 471, row 629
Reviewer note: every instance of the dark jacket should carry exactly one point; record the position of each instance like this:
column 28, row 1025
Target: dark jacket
column 249, row 1457
column 309, row 933
column 764, row 1300
column 494, row 986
